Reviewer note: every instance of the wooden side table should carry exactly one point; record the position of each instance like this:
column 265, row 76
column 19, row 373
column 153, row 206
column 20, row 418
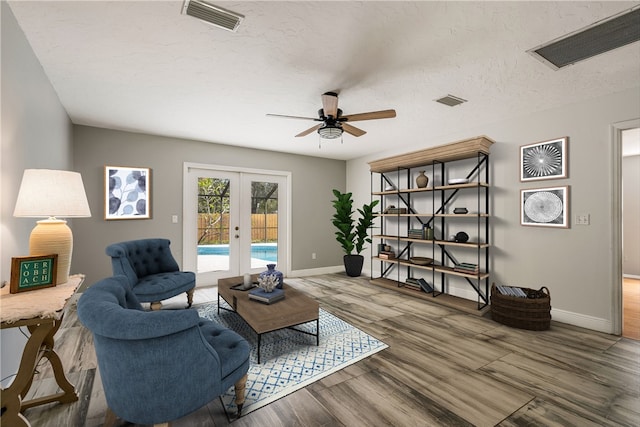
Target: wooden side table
column 41, row 312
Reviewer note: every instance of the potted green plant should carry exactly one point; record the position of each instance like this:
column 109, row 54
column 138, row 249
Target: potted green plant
column 351, row 235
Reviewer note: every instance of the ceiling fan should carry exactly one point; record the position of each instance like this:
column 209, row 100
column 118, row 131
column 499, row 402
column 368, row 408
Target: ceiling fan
column 333, row 122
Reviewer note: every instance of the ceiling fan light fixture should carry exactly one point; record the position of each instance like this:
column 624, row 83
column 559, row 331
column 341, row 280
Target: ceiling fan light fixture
column 330, row 131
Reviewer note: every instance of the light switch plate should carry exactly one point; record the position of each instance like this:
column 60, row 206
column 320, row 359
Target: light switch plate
column 582, row 219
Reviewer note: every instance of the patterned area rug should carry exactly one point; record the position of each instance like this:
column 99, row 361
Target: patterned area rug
column 291, row 360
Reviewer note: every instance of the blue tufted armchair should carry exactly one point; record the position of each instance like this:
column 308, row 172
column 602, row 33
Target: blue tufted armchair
column 158, row 366
column 152, row 270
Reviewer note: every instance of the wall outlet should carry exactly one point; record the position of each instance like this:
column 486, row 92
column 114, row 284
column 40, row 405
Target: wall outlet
column 313, row 255
column 582, row 219
column 174, row 219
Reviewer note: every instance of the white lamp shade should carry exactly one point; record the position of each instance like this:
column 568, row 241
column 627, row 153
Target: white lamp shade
column 51, row 193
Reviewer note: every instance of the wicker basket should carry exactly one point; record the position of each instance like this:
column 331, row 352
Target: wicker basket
column 525, row 313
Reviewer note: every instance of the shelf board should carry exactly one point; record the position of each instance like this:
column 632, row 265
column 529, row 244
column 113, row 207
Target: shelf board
column 465, row 185
column 473, row 245
column 414, row 215
column 467, row 215
column 423, row 190
column 403, row 215
column 451, row 301
column 437, row 242
column 459, row 150
column 431, row 267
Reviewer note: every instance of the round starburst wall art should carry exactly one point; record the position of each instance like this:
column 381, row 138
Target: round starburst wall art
column 543, row 160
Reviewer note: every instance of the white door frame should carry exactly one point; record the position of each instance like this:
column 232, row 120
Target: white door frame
column 616, row 224
column 189, row 200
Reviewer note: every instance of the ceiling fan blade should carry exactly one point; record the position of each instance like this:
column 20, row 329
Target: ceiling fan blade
column 293, row 117
column 308, row 131
column 384, row 114
column 330, row 104
column 352, row 130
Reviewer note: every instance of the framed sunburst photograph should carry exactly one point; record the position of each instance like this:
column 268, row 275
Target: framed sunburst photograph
column 544, row 160
column 545, row 207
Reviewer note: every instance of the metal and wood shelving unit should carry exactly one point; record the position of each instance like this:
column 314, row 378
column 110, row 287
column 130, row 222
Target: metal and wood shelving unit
column 433, row 207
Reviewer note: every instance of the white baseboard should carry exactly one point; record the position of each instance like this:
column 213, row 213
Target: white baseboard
column 631, row 276
column 316, row 271
column 466, row 293
column 571, row 318
column 563, row 316
column 582, row 320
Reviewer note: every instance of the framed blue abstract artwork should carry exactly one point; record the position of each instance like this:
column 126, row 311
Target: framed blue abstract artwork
column 127, row 192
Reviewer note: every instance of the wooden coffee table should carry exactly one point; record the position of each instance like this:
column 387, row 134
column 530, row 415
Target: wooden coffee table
column 295, row 309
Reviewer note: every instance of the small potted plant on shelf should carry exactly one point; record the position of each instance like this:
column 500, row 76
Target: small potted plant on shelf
column 351, row 235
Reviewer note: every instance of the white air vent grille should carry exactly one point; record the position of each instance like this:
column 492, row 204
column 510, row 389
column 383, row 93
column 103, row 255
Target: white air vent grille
column 601, row 37
column 212, row 14
column 450, row 100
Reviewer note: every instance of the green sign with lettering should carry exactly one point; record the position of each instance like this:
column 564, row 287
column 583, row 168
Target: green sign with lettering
column 33, row 272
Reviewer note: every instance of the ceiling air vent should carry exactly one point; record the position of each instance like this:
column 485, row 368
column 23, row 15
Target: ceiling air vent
column 611, row 33
column 451, row 100
column 214, row 15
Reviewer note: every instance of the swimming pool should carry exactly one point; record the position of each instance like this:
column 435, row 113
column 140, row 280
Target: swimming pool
column 262, row 251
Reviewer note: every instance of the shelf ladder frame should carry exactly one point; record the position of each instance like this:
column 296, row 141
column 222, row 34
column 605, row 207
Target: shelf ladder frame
column 386, row 269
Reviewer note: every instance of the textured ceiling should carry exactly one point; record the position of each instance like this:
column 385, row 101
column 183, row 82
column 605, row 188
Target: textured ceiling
column 143, row 66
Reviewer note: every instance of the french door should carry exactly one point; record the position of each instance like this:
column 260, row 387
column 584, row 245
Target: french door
column 235, row 221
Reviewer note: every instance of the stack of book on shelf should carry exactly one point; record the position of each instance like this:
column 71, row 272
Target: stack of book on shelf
column 418, row 284
column 386, row 254
column 415, row 233
column 467, row 267
column 395, row 211
column 512, row 291
column 412, row 283
column 261, row 295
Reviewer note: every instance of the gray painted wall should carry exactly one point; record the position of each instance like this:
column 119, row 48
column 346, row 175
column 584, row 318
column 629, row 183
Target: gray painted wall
column 36, row 133
column 631, row 216
column 312, row 180
column 576, row 263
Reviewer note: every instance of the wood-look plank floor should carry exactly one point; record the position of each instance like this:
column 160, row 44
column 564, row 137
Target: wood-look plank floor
column 442, row 368
column 631, row 308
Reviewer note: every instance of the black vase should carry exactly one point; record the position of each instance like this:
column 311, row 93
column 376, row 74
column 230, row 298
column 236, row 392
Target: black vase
column 353, row 264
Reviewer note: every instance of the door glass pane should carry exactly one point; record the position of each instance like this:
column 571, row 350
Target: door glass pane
column 213, row 224
column 264, row 223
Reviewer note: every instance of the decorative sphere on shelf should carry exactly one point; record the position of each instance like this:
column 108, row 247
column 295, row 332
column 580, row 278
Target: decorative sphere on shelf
column 462, row 237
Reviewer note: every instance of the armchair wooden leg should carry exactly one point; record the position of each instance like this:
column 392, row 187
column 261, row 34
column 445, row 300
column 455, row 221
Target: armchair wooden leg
column 110, row 419
column 190, row 297
column 240, row 388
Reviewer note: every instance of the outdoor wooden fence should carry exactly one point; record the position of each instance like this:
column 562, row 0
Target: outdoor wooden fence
column 214, row 228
